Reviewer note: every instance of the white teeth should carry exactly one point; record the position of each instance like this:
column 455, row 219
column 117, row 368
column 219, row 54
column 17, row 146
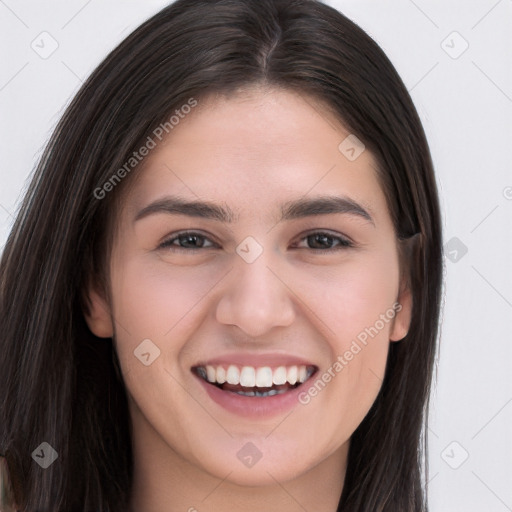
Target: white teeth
column 233, row 375
column 291, row 375
column 221, row 375
column 264, row 377
column 211, row 374
column 250, row 376
column 279, row 376
column 303, row 373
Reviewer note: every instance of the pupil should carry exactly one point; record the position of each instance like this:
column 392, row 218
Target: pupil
column 324, row 239
column 192, row 239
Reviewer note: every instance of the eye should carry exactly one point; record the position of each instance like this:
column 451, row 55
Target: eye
column 326, row 241
column 190, row 241
column 186, row 241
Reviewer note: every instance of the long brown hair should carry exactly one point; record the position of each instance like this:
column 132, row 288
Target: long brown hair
column 60, row 384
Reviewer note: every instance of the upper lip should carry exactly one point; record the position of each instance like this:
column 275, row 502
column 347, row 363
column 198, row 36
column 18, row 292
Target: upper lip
column 256, row 360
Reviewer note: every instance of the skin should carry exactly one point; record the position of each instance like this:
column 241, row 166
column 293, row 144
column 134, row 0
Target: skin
column 252, row 152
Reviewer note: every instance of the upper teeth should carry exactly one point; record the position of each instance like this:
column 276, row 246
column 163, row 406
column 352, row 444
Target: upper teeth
column 263, row 377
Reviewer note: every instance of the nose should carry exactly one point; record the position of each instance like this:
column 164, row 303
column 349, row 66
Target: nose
column 256, row 298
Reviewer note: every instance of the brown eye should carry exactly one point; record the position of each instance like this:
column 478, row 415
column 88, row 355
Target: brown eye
column 321, row 240
column 185, row 241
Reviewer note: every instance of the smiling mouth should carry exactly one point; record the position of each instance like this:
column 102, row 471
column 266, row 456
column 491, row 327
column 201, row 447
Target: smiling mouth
column 255, row 382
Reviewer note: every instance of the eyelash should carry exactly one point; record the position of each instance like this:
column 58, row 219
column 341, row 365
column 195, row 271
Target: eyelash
column 344, row 243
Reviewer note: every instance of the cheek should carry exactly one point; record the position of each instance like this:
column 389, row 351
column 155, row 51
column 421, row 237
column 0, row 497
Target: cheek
column 153, row 298
column 157, row 308
column 361, row 309
column 163, row 304
column 355, row 304
column 349, row 298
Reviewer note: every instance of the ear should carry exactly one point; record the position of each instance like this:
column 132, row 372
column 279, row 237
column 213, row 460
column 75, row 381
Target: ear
column 402, row 320
column 97, row 313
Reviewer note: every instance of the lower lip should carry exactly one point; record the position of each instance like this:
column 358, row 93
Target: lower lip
column 254, row 406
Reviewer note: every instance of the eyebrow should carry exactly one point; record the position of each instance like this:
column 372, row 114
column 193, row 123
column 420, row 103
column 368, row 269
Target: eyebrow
column 297, row 209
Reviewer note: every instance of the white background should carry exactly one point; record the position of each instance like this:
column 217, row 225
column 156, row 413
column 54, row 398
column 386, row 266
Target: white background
column 465, row 104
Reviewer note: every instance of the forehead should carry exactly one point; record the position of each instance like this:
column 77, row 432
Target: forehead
column 257, row 148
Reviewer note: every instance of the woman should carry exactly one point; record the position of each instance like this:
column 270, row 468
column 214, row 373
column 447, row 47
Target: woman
column 223, row 286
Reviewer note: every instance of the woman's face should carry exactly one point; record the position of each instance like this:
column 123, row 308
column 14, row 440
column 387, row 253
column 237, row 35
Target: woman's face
column 290, row 266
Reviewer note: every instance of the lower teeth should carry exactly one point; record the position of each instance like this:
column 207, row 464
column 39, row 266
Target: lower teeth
column 261, row 393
